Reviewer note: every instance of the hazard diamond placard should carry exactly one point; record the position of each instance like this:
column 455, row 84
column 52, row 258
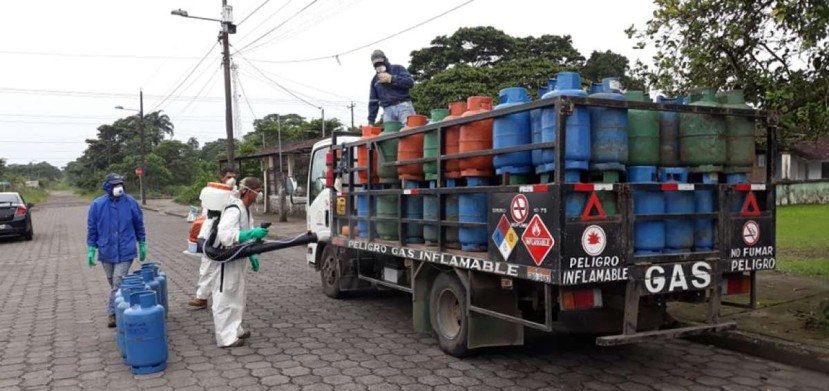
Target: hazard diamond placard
column 504, row 238
column 538, row 240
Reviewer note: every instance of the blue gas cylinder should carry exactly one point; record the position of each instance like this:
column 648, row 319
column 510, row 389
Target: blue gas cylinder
column 452, row 210
column 161, row 277
column 595, row 88
column 413, row 210
column 152, row 282
column 577, row 148
column 575, row 201
column 609, row 133
column 648, row 236
column 679, row 234
column 535, row 122
column 473, row 209
column 705, row 202
column 121, row 305
column 512, row 130
column 431, row 211
column 146, row 334
column 362, row 211
column 739, row 197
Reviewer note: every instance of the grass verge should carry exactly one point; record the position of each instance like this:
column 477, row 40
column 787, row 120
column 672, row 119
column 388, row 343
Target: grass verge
column 803, row 240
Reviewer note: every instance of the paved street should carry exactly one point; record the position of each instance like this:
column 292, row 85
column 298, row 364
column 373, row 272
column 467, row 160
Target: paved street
column 53, row 333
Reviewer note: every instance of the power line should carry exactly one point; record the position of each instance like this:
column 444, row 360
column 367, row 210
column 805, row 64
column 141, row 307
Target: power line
column 245, row 95
column 279, row 85
column 308, row 86
column 94, row 55
column 337, row 55
column 251, row 14
column 265, row 20
column 212, row 47
column 279, row 25
column 41, row 142
column 199, row 94
column 109, row 95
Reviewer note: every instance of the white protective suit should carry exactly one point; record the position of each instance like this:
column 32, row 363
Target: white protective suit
column 209, row 270
column 229, row 287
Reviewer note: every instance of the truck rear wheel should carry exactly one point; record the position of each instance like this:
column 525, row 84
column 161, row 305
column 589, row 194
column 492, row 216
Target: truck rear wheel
column 448, row 314
column 330, row 272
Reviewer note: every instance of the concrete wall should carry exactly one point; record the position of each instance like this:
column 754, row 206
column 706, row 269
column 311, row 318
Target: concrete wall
column 807, row 192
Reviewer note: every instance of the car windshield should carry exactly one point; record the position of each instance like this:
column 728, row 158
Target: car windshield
column 9, row 197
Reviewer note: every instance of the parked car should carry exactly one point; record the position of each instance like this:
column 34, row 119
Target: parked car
column 15, row 216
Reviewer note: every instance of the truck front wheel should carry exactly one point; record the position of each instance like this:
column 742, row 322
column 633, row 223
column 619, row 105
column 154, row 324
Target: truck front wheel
column 330, row 272
column 447, row 313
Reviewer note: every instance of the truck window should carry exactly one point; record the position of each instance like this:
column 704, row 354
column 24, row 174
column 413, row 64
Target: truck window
column 316, row 175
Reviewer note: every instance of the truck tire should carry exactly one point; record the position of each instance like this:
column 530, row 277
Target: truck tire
column 330, row 272
column 447, row 312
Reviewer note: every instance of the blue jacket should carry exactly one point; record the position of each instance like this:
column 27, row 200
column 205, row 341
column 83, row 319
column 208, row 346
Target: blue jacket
column 391, row 93
column 113, row 226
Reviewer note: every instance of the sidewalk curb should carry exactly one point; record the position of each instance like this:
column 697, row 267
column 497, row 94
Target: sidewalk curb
column 769, row 348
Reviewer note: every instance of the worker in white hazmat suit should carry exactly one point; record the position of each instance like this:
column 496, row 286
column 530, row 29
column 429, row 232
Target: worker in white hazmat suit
column 209, row 270
column 235, row 226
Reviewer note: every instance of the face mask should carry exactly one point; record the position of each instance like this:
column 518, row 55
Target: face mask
column 118, row 191
column 231, row 182
column 380, row 68
column 259, row 197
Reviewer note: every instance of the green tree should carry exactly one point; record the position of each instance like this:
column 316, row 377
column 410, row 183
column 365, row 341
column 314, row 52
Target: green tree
column 610, row 64
column 776, row 51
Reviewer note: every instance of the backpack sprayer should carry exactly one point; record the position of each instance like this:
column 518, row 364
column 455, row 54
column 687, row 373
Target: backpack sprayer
column 215, row 198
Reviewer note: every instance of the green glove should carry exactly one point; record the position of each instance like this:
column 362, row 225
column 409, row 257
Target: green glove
column 90, row 256
column 142, row 251
column 254, row 262
column 255, row 234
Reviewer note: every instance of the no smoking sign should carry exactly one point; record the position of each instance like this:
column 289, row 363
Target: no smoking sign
column 751, row 233
column 519, row 208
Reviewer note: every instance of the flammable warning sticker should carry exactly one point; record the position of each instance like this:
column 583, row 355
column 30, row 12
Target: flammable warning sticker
column 538, row 240
column 505, row 237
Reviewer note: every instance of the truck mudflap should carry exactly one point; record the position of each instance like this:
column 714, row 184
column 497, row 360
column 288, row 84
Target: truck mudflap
column 686, row 330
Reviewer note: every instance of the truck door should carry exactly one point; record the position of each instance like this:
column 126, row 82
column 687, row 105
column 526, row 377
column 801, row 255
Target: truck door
column 319, row 202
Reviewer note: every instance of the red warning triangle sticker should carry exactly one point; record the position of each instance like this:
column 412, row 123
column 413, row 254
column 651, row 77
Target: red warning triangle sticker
column 592, row 203
column 750, row 208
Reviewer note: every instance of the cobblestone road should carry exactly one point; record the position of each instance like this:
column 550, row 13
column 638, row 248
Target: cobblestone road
column 53, row 334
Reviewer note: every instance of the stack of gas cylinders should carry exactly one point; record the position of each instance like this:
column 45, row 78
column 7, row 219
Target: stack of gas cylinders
column 603, row 145
column 141, row 319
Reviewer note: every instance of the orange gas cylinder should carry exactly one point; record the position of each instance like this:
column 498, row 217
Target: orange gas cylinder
column 362, row 155
column 453, row 168
column 476, row 136
column 411, row 147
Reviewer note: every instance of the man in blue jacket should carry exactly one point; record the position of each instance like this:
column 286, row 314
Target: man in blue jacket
column 114, row 225
column 389, row 89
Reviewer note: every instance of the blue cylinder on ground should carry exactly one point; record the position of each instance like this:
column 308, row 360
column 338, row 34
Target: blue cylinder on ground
column 739, row 198
column 535, row 122
column 431, row 211
column 122, row 302
column 608, row 129
column 146, row 334
column 473, row 209
column 577, row 143
column 162, row 282
column 705, row 202
column 413, row 210
column 648, row 236
column 452, row 214
column 679, row 234
column 152, row 282
column 510, row 131
column 362, row 211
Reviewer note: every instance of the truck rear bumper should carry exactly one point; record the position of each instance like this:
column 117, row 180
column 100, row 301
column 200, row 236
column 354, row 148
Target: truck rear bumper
column 685, row 331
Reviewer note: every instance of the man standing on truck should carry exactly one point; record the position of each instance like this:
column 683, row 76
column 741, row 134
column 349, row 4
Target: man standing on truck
column 209, row 269
column 235, row 226
column 389, row 89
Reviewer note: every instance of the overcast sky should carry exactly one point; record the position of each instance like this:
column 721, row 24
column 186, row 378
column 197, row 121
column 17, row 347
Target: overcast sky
column 66, row 64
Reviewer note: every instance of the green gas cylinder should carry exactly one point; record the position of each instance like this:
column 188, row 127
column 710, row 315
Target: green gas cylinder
column 430, row 145
column 389, row 151
column 643, row 133
column 702, row 144
column 739, row 133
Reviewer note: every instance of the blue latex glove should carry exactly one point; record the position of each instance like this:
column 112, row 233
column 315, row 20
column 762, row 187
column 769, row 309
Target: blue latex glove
column 254, row 262
column 253, row 234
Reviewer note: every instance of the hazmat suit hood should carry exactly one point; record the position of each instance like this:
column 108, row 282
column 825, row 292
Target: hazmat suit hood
column 112, row 179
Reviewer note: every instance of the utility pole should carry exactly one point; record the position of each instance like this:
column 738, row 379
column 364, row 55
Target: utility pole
column 283, row 206
column 227, row 17
column 143, row 152
column 323, row 122
column 352, row 114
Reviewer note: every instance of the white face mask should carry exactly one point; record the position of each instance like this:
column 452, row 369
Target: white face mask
column 118, row 191
column 380, row 68
column 231, row 182
column 259, row 197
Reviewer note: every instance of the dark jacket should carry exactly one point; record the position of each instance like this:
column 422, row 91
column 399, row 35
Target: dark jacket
column 114, row 225
column 390, row 93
